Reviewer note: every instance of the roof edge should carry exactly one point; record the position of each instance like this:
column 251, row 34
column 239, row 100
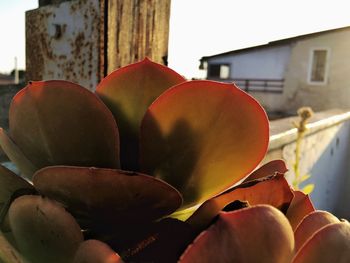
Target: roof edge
column 276, row 42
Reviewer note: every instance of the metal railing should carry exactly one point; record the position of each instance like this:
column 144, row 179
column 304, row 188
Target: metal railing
column 257, row 85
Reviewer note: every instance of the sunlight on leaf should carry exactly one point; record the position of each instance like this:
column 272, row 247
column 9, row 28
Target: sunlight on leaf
column 202, row 137
column 307, row 189
column 128, row 92
column 305, row 177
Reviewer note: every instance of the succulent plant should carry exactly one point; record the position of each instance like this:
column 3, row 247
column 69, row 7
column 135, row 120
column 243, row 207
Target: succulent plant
column 152, row 168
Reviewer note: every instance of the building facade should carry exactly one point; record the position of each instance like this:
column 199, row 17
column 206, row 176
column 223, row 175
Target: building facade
column 309, row 70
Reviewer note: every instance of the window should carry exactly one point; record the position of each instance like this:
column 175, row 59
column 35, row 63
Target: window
column 221, row 71
column 318, row 66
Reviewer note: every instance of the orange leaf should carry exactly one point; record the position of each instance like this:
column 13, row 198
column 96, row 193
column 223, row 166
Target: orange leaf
column 310, row 224
column 202, row 137
column 59, row 122
column 270, row 168
column 273, row 191
column 329, row 244
column 128, row 92
column 103, row 196
column 255, row 234
column 95, row 251
column 300, row 206
column 12, row 151
column 43, row 230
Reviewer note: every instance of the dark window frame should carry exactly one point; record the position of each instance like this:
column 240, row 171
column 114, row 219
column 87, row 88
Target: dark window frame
column 214, row 70
column 318, row 67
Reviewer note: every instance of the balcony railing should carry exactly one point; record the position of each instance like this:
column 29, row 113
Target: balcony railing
column 256, row 85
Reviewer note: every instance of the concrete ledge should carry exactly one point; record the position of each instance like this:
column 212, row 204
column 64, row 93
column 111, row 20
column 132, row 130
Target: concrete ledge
column 283, row 132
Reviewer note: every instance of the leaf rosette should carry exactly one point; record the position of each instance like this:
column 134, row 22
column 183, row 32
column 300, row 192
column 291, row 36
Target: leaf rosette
column 146, row 149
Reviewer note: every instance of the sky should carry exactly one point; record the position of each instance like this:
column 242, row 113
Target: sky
column 12, row 32
column 202, row 27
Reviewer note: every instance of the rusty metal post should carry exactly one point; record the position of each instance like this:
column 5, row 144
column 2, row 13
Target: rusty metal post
column 83, row 40
column 136, row 29
column 63, row 41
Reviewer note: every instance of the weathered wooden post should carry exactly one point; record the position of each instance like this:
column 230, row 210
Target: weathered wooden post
column 83, row 40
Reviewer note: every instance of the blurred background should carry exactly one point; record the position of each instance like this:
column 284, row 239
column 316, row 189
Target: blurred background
column 201, row 27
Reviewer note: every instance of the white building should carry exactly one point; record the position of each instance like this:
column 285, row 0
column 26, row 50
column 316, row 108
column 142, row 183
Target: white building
column 307, row 70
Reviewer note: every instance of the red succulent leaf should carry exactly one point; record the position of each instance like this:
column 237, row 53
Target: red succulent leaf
column 59, row 122
column 103, row 196
column 95, row 251
column 10, row 183
column 300, row 206
column 43, row 230
column 270, row 168
column 16, row 155
column 202, row 137
column 8, row 252
column 329, row 244
column 246, row 235
column 273, row 191
column 311, row 224
column 128, row 92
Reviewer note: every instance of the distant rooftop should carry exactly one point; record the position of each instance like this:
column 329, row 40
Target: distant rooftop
column 6, row 79
column 276, row 43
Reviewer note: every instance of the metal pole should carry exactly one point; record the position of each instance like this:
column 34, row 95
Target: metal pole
column 16, row 77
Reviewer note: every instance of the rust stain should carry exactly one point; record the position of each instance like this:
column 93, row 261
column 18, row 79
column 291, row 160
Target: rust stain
column 78, row 43
column 34, row 56
column 77, row 6
column 140, row 27
column 102, row 42
column 56, row 50
column 45, row 46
